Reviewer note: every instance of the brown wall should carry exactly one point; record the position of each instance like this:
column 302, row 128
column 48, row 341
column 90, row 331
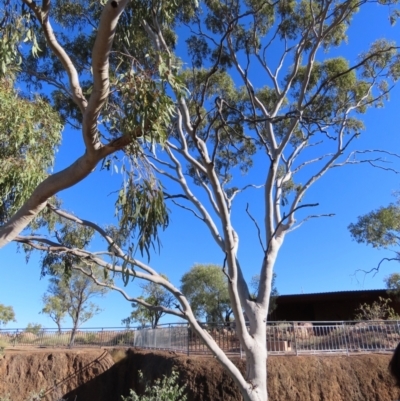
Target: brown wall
column 329, row 306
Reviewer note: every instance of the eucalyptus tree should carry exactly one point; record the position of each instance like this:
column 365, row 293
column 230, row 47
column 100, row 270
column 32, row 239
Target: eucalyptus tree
column 54, row 307
column 206, row 288
column 72, row 295
column 255, row 84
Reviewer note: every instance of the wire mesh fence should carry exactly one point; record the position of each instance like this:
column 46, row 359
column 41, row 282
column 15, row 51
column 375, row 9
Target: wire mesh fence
column 281, row 337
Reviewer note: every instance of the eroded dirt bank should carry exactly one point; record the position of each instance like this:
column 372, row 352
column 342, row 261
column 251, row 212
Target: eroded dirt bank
column 23, row 372
column 92, row 375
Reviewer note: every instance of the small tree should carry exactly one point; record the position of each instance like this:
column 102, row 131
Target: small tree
column 140, row 314
column 33, row 328
column 156, row 296
column 74, row 293
column 55, row 308
column 6, row 314
column 393, row 283
column 206, row 288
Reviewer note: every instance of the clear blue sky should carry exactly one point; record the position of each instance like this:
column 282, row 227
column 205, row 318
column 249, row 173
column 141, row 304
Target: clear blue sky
column 318, row 257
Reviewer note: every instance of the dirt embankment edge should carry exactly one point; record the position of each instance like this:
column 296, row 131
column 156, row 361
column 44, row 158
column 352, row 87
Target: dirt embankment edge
column 105, row 375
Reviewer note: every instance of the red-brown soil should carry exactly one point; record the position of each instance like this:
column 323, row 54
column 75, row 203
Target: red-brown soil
column 101, row 375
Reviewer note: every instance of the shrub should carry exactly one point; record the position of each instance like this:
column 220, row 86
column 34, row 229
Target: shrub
column 33, row 328
column 165, row 389
column 377, row 311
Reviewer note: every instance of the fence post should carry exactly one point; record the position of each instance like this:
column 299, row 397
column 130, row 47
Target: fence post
column 15, row 337
column 295, row 338
column 169, row 345
column 345, row 338
column 188, row 345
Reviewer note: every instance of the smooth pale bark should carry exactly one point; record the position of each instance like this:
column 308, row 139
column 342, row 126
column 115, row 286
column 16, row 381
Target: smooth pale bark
column 256, row 359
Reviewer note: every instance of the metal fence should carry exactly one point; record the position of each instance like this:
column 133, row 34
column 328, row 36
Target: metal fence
column 282, row 337
column 92, row 337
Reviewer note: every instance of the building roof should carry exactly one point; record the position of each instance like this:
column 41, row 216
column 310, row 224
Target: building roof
column 328, row 296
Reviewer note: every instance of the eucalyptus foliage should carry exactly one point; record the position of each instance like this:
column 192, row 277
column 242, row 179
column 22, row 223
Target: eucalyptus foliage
column 28, row 142
column 379, row 228
column 7, row 314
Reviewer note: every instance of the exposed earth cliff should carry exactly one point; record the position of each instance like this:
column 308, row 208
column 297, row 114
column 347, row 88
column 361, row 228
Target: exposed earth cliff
column 105, row 375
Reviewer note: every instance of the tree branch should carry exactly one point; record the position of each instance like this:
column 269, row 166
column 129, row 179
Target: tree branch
column 257, row 227
column 100, row 68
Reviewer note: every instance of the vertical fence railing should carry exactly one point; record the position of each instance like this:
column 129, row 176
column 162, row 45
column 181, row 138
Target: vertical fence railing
column 282, row 337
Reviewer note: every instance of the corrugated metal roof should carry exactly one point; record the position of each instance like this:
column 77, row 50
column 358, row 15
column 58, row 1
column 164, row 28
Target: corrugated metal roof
column 333, row 292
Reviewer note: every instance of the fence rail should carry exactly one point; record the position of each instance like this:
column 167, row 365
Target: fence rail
column 282, row 337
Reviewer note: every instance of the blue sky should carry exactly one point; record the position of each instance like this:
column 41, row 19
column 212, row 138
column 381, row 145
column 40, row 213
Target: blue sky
column 318, row 257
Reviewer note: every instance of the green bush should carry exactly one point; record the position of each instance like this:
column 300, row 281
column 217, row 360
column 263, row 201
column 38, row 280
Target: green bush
column 165, row 389
column 33, row 328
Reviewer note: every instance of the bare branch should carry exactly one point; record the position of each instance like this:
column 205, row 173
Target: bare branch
column 129, row 298
column 188, row 209
column 43, row 17
column 239, row 190
column 280, row 223
column 313, row 216
column 257, row 227
column 376, row 269
column 372, row 162
column 306, row 163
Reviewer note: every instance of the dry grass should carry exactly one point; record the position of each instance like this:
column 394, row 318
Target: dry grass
column 117, row 354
